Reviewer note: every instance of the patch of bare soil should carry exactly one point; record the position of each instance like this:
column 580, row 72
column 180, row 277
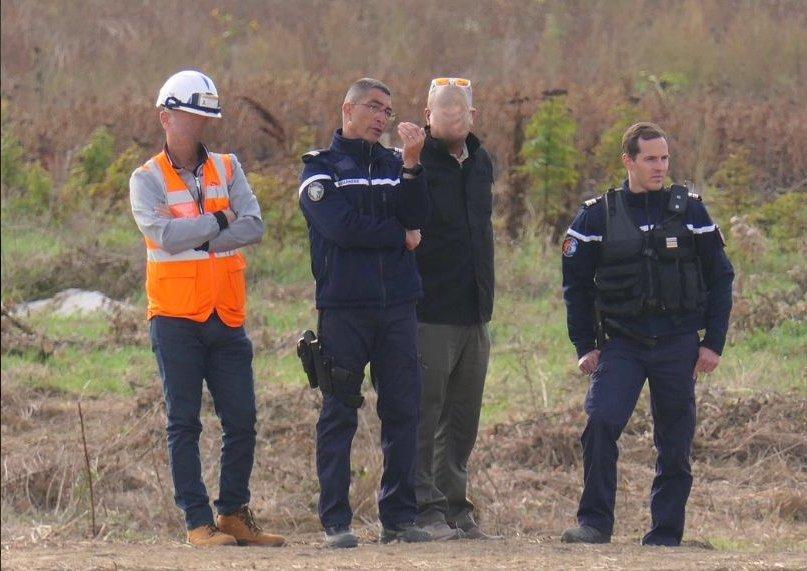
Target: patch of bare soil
column 749, row 499
column 509, row 554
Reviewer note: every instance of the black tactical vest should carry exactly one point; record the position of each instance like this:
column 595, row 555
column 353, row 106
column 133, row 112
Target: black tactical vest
column 653, row 272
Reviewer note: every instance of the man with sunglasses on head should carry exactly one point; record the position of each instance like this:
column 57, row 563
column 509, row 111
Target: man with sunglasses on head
column 455, row 260
column 364, row 205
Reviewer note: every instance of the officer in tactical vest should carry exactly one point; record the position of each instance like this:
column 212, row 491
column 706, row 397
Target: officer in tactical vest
column 644, row 270
column 364, row 205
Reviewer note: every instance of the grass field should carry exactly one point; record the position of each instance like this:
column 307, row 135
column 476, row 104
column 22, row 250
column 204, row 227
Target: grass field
column 532, row 367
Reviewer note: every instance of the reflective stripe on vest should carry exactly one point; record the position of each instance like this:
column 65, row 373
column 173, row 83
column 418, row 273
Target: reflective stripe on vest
column 193, row 283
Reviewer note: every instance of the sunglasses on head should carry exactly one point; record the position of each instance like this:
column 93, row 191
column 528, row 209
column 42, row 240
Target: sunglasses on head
column 458, row 81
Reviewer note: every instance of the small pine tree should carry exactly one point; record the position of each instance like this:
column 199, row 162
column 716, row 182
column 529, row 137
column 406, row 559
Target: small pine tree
column 12, row 168
column 551, row 160
column 26, row 186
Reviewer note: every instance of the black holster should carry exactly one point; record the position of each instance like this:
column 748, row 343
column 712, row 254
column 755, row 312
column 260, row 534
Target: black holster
column 322, row 373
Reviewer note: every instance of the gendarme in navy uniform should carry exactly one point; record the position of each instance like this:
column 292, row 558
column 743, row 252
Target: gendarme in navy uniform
column 364, row 205
column 644, row 270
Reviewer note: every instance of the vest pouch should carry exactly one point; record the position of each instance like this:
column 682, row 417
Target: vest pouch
column 615, row 252
column 232, row 294
column 619, row 289
column 619, row 282
column 693, row 290
column 669, row 284
column 673, row 245
column 172, row 287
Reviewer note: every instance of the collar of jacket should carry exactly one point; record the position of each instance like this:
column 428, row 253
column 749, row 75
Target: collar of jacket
column 637, row 199
column 439, row 147
column 358, row 148
column 203, row 154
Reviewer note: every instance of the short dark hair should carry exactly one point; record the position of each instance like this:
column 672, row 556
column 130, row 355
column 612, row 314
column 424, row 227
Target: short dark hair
column 362, row 87
column 644, row 131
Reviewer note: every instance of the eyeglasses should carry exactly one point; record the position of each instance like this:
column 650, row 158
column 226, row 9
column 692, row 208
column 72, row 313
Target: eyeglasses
column 388, row 113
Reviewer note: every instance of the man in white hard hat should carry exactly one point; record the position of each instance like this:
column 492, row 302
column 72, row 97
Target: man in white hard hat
column 195, row 209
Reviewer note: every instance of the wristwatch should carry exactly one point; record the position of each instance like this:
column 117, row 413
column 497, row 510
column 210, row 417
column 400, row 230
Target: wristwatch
column 414, row 171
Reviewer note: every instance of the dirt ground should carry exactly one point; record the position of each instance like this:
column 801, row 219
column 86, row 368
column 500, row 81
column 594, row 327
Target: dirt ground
column 519, row 553
column 748, row 508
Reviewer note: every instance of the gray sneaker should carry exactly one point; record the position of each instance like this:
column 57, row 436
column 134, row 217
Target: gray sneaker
column 405, row 532
column 584, row 534
column 441, row 531
column 340, row 538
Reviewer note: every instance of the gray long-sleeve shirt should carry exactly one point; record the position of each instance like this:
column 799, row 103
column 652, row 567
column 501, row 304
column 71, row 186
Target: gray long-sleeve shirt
column 147, row 193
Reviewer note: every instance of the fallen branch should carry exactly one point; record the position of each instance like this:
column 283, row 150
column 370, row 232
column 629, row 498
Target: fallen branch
column 17, row 323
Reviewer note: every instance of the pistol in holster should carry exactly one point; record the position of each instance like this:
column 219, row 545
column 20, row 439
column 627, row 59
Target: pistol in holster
column 322, row 373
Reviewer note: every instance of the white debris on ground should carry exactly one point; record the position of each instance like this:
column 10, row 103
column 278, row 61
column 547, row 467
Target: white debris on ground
column 70, row 302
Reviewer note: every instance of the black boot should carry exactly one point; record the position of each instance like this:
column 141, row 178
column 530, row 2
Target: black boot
column 584, row 534
column 406, row 532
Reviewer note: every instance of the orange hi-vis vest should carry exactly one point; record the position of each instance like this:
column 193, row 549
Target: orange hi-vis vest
column 194, row 283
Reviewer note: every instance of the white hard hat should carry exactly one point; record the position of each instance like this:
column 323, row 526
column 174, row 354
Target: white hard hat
column 190, row 91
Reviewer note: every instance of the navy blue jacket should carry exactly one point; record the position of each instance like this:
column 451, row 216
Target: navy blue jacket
column 581, row 252
column 358, row 207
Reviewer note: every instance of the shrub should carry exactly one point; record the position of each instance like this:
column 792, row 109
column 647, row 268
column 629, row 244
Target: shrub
column 734, row 181
column 114, row 186
column 26, row 185
column 784, row 219
column 13, row 162
column 281, row 215
column 93, row 160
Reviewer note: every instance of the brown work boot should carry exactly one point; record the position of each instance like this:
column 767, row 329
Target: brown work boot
column 209, row 535
column 241, row 525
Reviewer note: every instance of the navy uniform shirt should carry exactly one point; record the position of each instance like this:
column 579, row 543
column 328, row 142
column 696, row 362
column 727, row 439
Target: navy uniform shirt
column 581, row 252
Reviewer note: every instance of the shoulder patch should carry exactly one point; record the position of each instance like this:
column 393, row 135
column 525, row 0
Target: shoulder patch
column 313, row 154
column 592, row 201
column 569, row 247
column 695, row 196
column 315, row 191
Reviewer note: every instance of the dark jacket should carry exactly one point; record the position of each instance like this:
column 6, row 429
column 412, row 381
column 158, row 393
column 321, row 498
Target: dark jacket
column 455, row 257
column 358, row 206
column 581, row 253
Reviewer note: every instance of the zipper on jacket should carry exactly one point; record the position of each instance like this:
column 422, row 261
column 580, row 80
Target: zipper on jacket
column 467, row 201
column 199, row 198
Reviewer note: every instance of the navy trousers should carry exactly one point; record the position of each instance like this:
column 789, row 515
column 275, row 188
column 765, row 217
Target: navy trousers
column 189, row 353
column 387, row 339
column 615, row 388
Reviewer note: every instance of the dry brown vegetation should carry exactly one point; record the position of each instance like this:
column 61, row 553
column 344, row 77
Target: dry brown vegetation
column 716, row 74
column 749, row 457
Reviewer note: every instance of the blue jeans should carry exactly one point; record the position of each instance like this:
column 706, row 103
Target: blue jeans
column 187, row 353
column 387, row 339
column 615, row 388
